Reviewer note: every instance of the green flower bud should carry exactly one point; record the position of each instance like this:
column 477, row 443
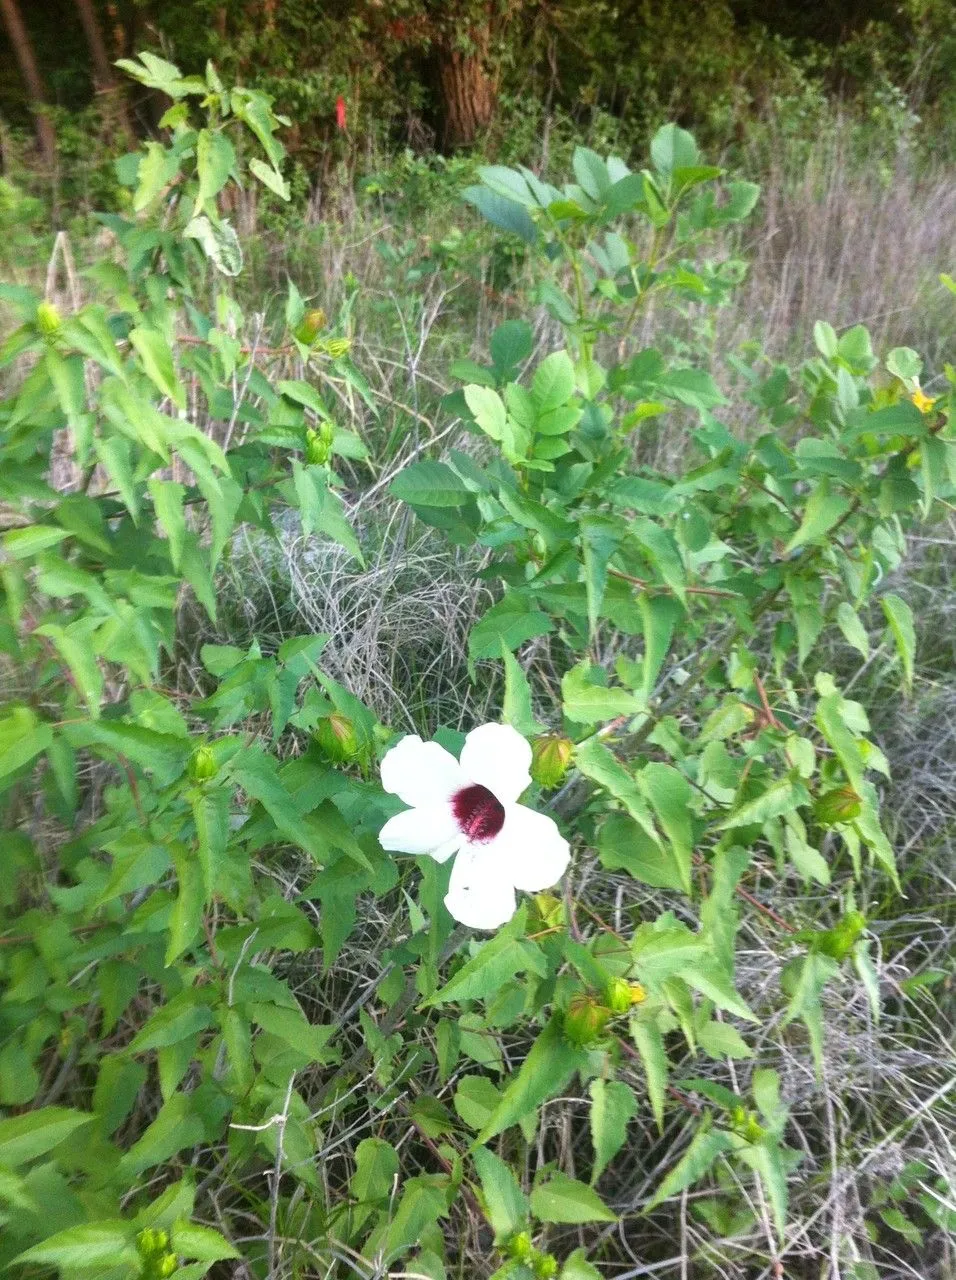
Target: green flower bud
column 202, row 764
column 168, row 1266
column 585, row 1020
column 335, row 348
column 151, row 1241
column 840, row 805
column 337, row 738
column 310, row 326
column 520, row 1247
column 545, row 1266
column 48, row 319
column 618, row 995
column 550, row 757
column 318, row 443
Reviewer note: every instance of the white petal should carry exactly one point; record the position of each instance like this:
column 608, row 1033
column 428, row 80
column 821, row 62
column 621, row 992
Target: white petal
column 499, row 758
column 477, row 896
column 420, row 773
column 530, row 849
column 431, row 829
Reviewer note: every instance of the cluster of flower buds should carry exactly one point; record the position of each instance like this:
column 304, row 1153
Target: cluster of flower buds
column 318, row 443
column 746, row 1125
column 157, row 1260
column 521, row 1248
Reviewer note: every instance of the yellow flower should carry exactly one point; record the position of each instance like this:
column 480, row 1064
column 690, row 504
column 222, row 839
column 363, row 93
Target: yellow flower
column 922, row 401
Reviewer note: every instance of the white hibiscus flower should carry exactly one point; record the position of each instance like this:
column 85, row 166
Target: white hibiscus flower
column 469, row 808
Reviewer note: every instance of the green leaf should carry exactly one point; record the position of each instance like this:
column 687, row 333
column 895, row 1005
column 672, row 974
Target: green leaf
column 516, row 706
column 659, row 615
column 577, row 1267
column 822, row 511
column 508, row 623
column 766, row 1159
column 502, row 212
column 23, row 543
column 564, row 1199
column 900, row 618
column 157, row 357
column 704, row 1149
column 670, row 795
column 586, row 702
column 215, row 158
column 544, row 1073
column 511, row 343
column 673, row 148
column 167, row 498
column 219, row 243
column 376, row 1169
column 663, row 553
column 853, row 629
column 721, row 1040
column 624, row 844
column 650, row 1045
column 172, row 1023
column 553, row 382
column 270, row 178
column 74, row 647
column 489, row 411
column 803, row 980
column 506, row 1205
column 24, row 1138
column 493, row 964
column 612, row 1105
column 430, row 484
column 192, row 1241
column 102, row 1245
column 22, row 738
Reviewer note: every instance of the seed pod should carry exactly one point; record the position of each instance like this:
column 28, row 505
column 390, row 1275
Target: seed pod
column 337, row 739
column 840, row 805
column 550, row 758
column 310, row 326
column 202, row 764
column 585, row 1020
column 48, row 319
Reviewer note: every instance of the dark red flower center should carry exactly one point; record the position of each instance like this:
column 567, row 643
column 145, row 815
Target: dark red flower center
column 480, row 816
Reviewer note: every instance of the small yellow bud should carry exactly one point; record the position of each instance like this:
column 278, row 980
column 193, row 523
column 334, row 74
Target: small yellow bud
column 585, row 1020
column 48, row 319
column 922, row 401
column 202, row 764
column 550, row 758
column 168, row 1266
column 336, row 737
column 310, row 326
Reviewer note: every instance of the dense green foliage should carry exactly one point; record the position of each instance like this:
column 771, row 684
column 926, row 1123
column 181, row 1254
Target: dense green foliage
column 164, row 1070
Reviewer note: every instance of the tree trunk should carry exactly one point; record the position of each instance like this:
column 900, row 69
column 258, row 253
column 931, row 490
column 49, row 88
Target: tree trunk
column 469, row 93
column 23, row 49
column 104, row 81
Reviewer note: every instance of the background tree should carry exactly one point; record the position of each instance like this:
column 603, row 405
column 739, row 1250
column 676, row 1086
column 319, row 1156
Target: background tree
column 26, row 60
column 104, row 81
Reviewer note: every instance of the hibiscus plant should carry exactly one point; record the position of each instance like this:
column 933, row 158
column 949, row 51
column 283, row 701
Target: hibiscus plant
column 664, row 722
